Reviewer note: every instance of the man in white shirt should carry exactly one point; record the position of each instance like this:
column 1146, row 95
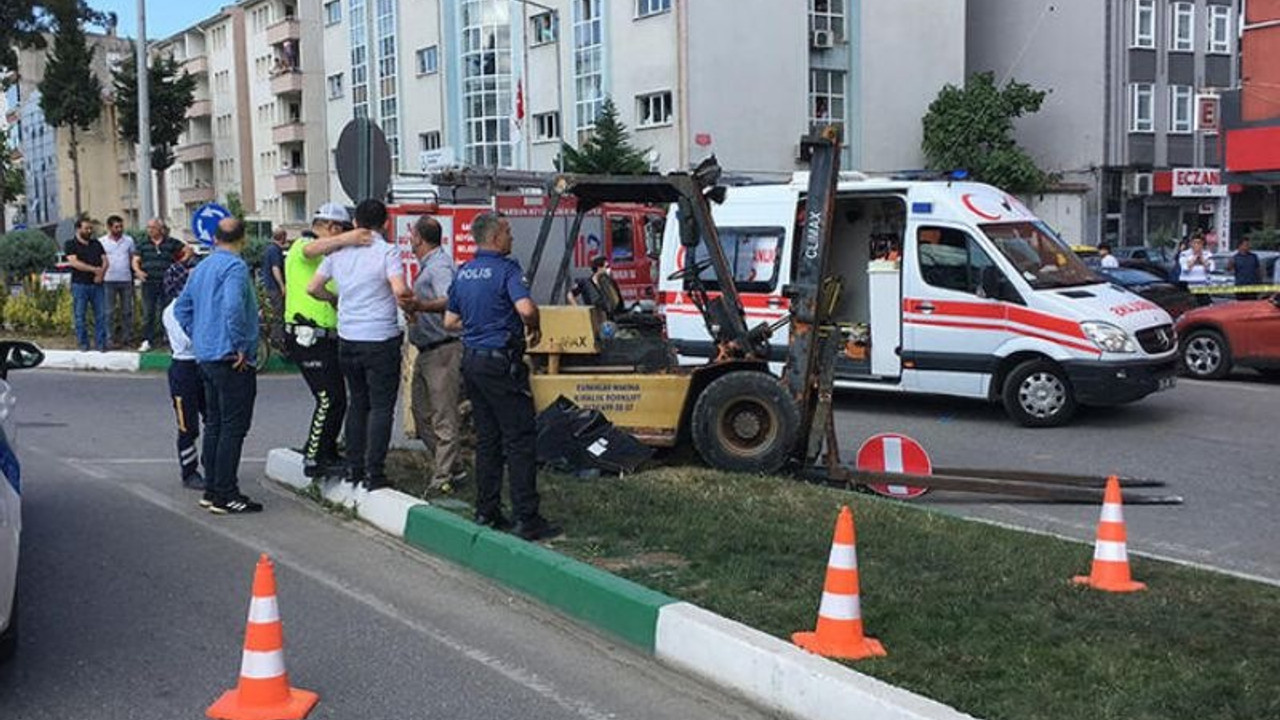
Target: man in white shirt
column 1196, row 265
column 118, row 281
column 370, row 279
column 1107, row 259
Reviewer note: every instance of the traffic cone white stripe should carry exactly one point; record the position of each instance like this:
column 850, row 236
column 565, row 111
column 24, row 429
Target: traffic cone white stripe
column 840, row 607
column 843, row 557
column 264, row 610
column 262, row 665
column 1112, row 513
column 1110, row 551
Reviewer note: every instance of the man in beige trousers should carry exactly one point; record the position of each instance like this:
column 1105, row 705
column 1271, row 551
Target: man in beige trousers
column 437, row 373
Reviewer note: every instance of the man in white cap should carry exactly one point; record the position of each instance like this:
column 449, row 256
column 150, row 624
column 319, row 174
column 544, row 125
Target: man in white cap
column 311, row 334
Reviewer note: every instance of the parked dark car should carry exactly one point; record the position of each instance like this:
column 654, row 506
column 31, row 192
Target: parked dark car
column 1156, row 260
column 1217, row 338
column 1167, row 295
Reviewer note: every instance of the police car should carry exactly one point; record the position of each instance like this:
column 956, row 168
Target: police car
column 13, row 356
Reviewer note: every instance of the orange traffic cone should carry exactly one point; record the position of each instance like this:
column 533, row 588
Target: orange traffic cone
column 263, row 692
column 839, row 632
column 1110, row 554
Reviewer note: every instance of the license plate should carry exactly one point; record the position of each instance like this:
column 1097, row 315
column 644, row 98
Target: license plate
column 1167, row 383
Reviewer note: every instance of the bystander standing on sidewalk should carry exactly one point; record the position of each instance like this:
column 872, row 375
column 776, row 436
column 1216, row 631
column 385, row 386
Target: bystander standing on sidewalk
column 150, row 261
column 1246, row 267
column 1107, row 260
column 437, row 371
column 273, row 283
column 218, row 310
column 186, row 388
column 311, row 335
column 88, row 267
column 1196, row 265
column 119, row 282
column 370, row 281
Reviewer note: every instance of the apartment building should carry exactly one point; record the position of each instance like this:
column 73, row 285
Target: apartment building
column 49, row 181
column 1125, row 80
column 1251, row 119
column 12, row 212
column 500, row 83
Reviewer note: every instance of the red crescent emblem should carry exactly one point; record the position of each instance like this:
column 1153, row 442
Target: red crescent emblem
column 967, row 199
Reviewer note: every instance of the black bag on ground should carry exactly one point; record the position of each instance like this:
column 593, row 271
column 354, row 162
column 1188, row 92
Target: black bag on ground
column 572, row 438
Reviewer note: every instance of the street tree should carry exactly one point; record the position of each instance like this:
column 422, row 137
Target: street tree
column 24, row 24
column 172, row 92
column 11, row 179
column 71, row 94
column 608, row 150
column 971, row 128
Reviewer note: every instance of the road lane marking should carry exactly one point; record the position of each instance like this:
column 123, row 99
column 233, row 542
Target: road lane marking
column 519, row 675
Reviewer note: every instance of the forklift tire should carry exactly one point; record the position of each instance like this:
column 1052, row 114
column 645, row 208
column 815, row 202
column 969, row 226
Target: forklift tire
column 745, row 422
column 1038, row 393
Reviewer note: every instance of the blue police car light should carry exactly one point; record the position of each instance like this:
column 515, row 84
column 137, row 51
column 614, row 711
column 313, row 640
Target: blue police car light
column 921, row 208
column 959, row 174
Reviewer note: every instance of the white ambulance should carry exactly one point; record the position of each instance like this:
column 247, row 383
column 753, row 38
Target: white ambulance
column 949, row 288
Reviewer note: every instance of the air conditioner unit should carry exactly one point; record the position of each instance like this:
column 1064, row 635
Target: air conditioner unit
column 1140, row 184
column 822, row 39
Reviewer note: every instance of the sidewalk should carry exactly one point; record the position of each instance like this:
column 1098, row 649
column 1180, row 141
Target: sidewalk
column 767, row 671
column 118, row 361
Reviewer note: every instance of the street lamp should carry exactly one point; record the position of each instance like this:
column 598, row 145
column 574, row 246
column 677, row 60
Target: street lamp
column 144, row 118
column 555, row 26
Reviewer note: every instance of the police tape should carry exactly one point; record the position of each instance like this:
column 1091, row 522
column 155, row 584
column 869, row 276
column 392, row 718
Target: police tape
column 1233, row 289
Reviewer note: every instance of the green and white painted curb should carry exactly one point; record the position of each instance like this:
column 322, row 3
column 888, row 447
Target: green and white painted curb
column 767, row 671
column 129, row 361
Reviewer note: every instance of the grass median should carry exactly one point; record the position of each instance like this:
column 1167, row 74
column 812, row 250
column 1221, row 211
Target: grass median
column 978, row 617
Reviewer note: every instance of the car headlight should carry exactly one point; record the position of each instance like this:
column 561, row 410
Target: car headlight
column 1109, row 337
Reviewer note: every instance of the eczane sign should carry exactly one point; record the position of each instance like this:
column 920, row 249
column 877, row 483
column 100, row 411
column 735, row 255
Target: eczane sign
column 1198, row 182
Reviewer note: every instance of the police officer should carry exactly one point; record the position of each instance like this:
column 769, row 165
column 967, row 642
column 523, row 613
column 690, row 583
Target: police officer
column 489, row 302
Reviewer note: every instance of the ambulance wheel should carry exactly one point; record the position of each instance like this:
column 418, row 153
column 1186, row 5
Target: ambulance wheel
column 1037, row 393
column 745, row 422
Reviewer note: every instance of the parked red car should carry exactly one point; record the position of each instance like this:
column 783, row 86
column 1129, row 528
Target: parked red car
column 1244, row 333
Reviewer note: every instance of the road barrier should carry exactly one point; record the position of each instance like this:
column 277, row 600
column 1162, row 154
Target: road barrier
column 1233, row 289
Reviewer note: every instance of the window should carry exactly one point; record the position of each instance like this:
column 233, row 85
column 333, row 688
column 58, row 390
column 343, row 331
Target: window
column 487, row 83
column 542, row 29
column 621, row 239
column 1141, row 108
column 1044, row 260
column 546, row 126
column 645, row 8
column 260, row 18
column 222, row 83
column 588, row 63
column 222, row 126
column 1219, row 29
column 428, row 141
column 826, row 98
column 951, row 260
column 653, row 110
column 388, row 70
column 1182, row 31
column 1144, row 23
column 359, row 58
column 1179, row 108
column 752, row 253
column 428, row 59
column 827, row 15
column 335, row 86
column 332, row 12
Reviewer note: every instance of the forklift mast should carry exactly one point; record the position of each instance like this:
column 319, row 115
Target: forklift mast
column 814, row 341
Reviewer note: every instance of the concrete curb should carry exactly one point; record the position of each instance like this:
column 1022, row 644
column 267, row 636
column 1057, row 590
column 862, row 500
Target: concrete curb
column 97, row 361
column 766, row 670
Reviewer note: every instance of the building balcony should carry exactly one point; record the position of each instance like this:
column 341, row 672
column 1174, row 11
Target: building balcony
column 195, row 152
column 290, row 132
column 200, row 193
column 286, row 29
column 286, row 82
column 200, row 108
column 129, row 201
column 291, row 181
column 198, row 65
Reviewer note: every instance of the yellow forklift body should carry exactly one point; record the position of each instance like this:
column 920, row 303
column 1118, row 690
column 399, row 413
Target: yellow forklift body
column 646, row 405
column 568, row 330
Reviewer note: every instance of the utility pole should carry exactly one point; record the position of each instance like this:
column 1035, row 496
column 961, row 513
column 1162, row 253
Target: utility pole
column 144, row 119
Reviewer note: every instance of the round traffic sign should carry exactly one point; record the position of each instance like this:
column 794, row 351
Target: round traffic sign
column 894, row 453
column 204, row 221
column 363, row 158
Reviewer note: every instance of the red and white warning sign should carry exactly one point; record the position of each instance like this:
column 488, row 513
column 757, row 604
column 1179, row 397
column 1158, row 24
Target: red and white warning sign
column 894, row 453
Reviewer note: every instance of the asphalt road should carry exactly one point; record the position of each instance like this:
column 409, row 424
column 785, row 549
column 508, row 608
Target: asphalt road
column 134, row 600
column 1214, row 443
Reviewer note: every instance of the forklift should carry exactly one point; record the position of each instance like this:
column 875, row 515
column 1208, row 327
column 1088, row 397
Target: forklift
column 737, row 414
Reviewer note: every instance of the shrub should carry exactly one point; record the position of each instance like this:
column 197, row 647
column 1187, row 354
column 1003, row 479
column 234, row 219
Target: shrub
column 1265, row 238
column 26, row 252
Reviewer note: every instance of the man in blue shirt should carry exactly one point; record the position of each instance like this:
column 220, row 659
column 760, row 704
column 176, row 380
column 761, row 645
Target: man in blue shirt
column 1247, row 269
column 489, row 302
column 218, row 310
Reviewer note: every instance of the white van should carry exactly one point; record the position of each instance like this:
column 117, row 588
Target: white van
column 950, row 288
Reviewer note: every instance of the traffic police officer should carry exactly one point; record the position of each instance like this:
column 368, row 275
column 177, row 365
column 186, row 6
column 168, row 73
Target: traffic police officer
column 489, row 302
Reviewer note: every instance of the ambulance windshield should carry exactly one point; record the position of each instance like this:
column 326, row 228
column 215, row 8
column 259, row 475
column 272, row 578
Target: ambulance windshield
column 1042, row 259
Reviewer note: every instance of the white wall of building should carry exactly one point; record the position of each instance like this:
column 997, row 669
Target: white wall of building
column 422, row 96
column 644, row 59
